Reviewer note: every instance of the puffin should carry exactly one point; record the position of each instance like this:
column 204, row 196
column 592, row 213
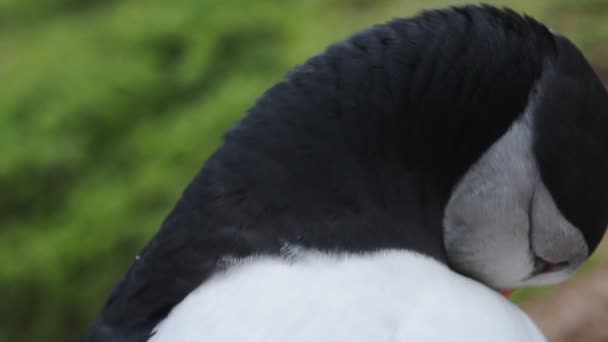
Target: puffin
column 387, row 189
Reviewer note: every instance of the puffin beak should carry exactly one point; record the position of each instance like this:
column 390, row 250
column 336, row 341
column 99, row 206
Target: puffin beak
column 507, row 293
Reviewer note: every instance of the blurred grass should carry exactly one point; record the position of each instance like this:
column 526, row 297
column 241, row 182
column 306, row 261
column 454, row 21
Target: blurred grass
column 108, row 108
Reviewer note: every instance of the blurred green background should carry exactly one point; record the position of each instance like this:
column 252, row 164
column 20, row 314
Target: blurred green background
column 108, row 109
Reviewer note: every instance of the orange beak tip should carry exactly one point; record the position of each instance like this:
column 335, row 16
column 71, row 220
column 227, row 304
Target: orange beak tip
column 507, row 293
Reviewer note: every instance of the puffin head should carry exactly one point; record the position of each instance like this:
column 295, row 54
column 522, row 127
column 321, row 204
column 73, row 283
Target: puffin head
column 534, row 207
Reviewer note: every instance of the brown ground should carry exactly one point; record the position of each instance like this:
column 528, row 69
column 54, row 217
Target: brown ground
column 577, row 311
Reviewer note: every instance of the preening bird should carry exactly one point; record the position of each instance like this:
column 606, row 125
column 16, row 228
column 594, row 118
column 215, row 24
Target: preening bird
column 386, row 190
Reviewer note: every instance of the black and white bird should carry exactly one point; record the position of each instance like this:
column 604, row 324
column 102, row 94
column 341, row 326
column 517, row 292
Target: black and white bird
column 386, row 190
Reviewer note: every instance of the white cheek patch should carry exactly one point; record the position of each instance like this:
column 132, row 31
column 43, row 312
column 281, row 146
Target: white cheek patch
column 500, row 216
column 486, row 220
column 555, row 239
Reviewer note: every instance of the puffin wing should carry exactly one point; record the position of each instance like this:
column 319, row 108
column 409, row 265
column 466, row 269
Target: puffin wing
column 174, row 263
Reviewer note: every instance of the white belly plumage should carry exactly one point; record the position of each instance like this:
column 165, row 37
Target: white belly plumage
column 389, row 296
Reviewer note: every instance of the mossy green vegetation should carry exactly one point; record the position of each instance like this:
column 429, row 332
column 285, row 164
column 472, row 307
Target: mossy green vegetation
column 109, row 108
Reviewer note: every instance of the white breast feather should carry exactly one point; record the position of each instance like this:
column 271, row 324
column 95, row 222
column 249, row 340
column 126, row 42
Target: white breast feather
column 390, row 296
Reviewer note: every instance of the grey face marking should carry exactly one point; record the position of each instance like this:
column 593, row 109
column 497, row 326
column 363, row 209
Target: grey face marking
column 501, row 225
